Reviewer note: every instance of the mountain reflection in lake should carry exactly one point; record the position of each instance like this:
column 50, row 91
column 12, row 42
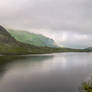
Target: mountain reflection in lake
column 44, row 73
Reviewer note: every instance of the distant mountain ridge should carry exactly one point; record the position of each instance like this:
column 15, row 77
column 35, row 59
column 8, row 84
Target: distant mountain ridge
column 32, row 38
column 89, row 48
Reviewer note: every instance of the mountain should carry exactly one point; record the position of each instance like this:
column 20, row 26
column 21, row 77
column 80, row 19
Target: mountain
column 10, row 46
column 33, row 39
column 90, row 48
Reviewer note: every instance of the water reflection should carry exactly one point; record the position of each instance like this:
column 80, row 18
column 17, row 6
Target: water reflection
column 47, row 73
column 6, row 61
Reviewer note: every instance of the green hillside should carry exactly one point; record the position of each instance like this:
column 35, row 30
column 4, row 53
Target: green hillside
column 33, row 39
column 10, row 46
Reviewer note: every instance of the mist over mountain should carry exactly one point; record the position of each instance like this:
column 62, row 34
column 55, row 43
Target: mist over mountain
column 32, row 38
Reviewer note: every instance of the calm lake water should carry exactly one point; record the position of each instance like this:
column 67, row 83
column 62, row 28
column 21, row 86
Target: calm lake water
column 62, row 72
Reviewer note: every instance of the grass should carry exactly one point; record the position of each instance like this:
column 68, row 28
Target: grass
column 13, row 49
column 86, row 86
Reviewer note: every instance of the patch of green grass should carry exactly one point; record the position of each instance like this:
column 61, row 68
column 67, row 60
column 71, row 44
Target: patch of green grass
column 86, row 86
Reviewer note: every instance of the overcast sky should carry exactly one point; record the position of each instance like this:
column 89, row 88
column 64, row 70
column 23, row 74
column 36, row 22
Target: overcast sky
column 69, row 22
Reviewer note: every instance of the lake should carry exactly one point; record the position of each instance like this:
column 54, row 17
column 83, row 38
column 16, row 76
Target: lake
column 60, row 72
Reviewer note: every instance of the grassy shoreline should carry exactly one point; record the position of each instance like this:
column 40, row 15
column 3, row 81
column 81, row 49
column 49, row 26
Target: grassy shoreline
column 11, row 50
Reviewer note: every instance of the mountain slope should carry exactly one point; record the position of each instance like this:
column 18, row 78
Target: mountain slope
column 9, row 45
column 89, row 48
column 31, row 38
